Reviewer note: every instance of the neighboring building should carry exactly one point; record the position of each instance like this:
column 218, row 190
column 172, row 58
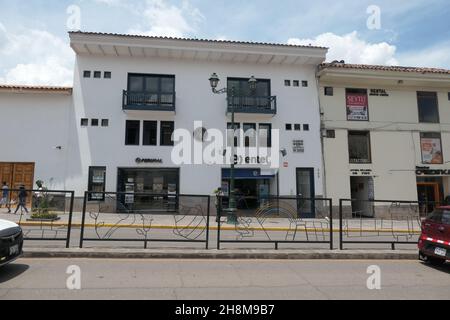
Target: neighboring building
column 386, row 132
column 131, row 92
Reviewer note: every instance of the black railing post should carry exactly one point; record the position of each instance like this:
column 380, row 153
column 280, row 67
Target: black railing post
column 207, row 222
column 341, row 240
column 83, row 219
column 69, row 226
column 331, row 224
column 219, row 212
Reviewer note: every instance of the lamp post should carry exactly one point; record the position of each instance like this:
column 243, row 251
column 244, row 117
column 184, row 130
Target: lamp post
column 214, row 82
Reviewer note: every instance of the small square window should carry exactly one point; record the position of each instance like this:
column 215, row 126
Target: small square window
column 331, row 134
column 107, row 75
column 306, row 127
column 449, row 96
column 94, row 122
column 287, row 83
column 304, row 84
column 86, row 74
column 329, row 91
column 105, row 123
column 296, row 83
column 297, row 127
column 288, row 127
column 97, row 74
column 84, row 122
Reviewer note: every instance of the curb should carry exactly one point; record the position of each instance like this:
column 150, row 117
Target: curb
column 222, row 254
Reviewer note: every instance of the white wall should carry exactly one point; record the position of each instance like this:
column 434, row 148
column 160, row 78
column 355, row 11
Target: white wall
column 31, row 127
column 102, row 98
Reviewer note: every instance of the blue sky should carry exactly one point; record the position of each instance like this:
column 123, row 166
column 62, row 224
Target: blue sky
column 34, row 42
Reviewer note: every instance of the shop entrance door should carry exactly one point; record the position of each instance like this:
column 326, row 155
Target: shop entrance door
column 306, row 191
column 362, row 190
column 429, row 196
column 16, row 175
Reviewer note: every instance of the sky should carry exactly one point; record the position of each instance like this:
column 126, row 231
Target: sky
column 34, row 44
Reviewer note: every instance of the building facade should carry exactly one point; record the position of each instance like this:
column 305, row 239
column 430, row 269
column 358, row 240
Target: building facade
column 386, row 132
column 113, row 132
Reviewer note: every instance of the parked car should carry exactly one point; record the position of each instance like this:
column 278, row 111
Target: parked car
column 434, row 242
column 11, row 242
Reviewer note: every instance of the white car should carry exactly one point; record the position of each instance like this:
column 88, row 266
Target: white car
column 11, row 242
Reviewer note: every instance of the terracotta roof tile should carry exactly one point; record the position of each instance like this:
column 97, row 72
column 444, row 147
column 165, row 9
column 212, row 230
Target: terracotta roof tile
column 193, row 39
column 384, row 68
column 35, row 88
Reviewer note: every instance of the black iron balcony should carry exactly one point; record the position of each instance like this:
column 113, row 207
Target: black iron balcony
column 253, row 104
column 148, row 101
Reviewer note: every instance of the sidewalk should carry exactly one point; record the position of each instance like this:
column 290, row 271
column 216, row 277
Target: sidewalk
column 109, row 220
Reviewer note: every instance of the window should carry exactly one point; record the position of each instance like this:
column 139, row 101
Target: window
column 97, row 74
column 84, row 122
column 233, row 134
column 297, row 127
column 250, row 135
column 304, row 83
column 306, row 127
column 288, row 127
column 105, row 123
column 132, row 132
column 97, row 183
column 150, row 133
column 329, row 91
column 152, row 89
column 331, row 134
column 86, row 74
column 449, row 96
column 107, row 75
column 357, row 105
column 167, row 129
column 94, row 122
column 359, row 146
column 244, row 97
column 265, row 135
column 428, row 107
column 287, row 83
column 431, row 146
column 446, row 217
column 296, row 83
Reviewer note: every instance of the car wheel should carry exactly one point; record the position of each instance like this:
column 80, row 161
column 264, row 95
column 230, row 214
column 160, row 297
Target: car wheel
column 423, row 257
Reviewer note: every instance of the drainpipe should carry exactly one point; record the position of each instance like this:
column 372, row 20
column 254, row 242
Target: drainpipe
column 322, row 127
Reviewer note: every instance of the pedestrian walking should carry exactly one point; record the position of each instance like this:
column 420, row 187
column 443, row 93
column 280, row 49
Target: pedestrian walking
column 22, row 200
column 4, row 201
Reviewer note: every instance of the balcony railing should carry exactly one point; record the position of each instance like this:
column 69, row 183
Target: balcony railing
column 149, row 101
column 253, row 104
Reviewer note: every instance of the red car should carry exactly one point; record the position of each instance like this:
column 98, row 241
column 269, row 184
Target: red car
column 434, row 243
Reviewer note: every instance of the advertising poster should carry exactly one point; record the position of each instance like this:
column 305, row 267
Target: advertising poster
column 431, row 151
column 357, row 107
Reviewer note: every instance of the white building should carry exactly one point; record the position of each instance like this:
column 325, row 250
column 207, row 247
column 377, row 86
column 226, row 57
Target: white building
column 113, row 131
column 386, row 132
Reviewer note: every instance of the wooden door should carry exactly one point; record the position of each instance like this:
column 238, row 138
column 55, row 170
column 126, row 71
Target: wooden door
column 6, row 173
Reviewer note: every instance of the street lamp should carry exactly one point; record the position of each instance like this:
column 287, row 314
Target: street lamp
column 214, row 82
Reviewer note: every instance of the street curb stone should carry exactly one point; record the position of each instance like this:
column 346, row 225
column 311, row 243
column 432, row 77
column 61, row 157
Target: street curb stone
column 222, row 254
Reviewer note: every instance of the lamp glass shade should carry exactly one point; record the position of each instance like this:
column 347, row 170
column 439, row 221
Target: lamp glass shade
column 214, row 80
column 252, row 83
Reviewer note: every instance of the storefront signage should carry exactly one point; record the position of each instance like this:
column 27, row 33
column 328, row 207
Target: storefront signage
column 431, row 150
column 250, row 160
column 379, row 93
column 361, row 172
column 143, row 160
column 426, row 171
column 298, row 146
column 357, row 107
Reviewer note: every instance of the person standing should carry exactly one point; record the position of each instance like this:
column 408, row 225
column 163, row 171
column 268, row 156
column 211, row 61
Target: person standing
column 5, row 197
column 22, row 199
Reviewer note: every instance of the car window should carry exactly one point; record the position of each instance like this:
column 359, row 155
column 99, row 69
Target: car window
column 435, row 216
column 446, row 217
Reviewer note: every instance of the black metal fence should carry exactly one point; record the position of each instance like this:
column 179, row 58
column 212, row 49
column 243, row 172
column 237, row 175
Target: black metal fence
column 44, row 215
column 381, row 222
column 278, row 221
column 145, row 218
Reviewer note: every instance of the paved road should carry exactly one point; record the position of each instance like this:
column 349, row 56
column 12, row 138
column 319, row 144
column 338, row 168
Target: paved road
column 203, row 280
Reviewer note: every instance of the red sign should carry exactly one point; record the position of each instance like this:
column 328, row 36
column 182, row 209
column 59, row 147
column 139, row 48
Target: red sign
column 357, row 107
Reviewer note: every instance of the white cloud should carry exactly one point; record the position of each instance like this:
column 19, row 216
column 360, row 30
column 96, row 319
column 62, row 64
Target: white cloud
column 351, row 48
column 160, row 18
column 437, row 56
column 35, row 57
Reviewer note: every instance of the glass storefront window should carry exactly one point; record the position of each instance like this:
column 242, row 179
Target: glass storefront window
column 97, row 183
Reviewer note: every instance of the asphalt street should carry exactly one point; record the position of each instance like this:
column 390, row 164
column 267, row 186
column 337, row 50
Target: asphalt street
column 230, row 279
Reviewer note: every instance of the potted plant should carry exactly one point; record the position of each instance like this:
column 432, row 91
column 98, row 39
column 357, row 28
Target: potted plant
column 41, row 210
